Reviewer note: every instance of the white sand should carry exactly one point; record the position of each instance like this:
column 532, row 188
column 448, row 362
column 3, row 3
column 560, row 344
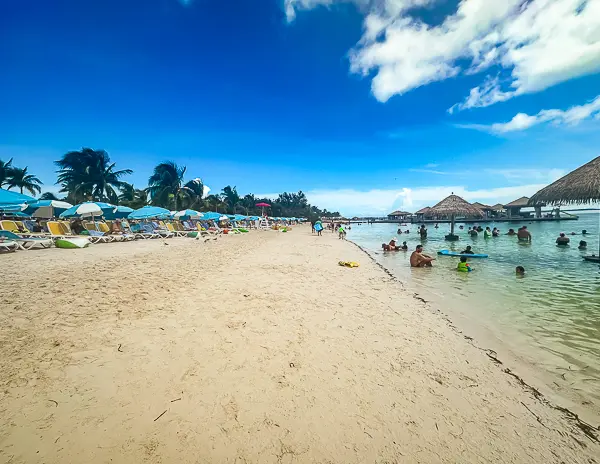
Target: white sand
column 260, row 348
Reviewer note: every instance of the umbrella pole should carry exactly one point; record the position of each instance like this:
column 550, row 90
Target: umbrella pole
column 452, row 225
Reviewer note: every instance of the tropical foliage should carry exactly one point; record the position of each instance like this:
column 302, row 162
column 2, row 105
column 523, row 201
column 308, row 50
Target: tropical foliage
column 89, row 174
column 21, row 179
column 167, row 187
column 14, row 177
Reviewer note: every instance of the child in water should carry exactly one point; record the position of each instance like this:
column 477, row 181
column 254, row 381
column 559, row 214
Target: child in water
column 463, row 266
column 520, row 270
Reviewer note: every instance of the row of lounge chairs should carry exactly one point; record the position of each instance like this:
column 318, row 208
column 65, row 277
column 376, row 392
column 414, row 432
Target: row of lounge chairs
column 16, row 235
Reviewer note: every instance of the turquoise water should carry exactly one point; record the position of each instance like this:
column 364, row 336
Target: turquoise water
column 550, row 318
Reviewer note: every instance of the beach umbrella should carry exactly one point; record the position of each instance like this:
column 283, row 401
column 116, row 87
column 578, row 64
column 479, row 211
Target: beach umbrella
column 210, row 216
column 12, row 208
column 88, row 208
column 262, row 206
column 581, row 186
column 12, row 199
column 150, row 212
column 453, row 206
column 47, row 208
column 120, row 212
column 224, row 218
column 239, row 217
column 187, row 214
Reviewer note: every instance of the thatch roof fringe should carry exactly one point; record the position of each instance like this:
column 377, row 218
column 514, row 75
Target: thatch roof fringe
column 578, row 187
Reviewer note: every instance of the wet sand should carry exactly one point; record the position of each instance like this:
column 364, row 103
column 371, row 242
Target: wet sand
column 251, row 348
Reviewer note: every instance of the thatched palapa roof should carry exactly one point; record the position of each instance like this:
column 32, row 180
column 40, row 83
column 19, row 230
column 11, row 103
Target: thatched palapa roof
column 498, row 207
column 424, row 210
column 399, row 213
column 518, row 203
column 481, row 206
column 454, row 205
column 578, row 187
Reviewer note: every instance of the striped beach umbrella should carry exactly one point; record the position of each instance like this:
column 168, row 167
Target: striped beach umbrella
column 89, row 208
column 47, row 208
column 187, row 214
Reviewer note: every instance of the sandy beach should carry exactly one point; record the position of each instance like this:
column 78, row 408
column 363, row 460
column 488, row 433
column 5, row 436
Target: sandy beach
column 255, row 348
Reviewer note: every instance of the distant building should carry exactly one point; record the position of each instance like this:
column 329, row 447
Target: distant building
column 485, row 209
column 513, row 209
column 398, row 216
column 423, row 214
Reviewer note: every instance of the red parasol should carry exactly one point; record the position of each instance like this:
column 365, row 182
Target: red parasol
column 263, row 206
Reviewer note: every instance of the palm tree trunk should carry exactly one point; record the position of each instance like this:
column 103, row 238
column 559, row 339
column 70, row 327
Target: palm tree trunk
column 21, row 190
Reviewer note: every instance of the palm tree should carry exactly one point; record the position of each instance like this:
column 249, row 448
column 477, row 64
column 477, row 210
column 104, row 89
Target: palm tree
column 132, row 197
column 215, row 202
column 49, row 196
column 89, row 175
column 167, row 188
column 21, row 179
column 5, row 171
column 231, row 198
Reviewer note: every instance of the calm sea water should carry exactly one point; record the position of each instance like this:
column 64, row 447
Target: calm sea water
column 550, row 318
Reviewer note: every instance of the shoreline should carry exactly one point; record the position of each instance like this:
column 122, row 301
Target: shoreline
column 585, row 417
column 251, row 348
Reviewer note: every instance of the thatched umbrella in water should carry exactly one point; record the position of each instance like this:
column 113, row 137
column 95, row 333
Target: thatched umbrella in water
column 455, row 206
column 579, row 187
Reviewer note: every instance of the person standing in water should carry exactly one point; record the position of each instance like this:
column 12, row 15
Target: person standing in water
column 524, row 235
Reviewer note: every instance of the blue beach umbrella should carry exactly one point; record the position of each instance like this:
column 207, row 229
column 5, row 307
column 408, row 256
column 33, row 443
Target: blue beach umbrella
column 47, row 208
column 13, row 199
column 120, row 212
column 150, row 212
column 210, row 216
column 88, row 208
column 239, row 217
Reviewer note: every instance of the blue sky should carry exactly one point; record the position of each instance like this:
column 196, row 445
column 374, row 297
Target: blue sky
column 366, row 105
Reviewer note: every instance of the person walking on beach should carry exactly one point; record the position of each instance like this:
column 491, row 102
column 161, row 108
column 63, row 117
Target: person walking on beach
column 341, row 233
column 523, row 234
column 419, row 259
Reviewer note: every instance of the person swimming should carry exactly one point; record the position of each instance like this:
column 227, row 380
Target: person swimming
column 520, row 270
column 511, row 232
column 473, row 232
column 584, row 232
column 463, row 266
column 582, row 245
column 404, row 246
column 467, row 251
column 495, row 232
column 487, row 233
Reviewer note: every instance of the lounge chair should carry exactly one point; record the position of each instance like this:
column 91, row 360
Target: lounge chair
column 13, row 226
column 107, row 228
column 62, row 230
column 8, row 245
column 144, row 231
column 161, row 229
column 171, row 228
column 26, row 243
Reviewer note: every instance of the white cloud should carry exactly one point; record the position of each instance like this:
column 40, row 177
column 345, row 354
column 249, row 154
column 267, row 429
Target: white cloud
column 540, row 43
column 522, row 121
column 379, row 202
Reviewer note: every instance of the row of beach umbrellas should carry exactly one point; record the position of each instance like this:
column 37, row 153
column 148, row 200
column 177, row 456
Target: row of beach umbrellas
column 23, row 205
